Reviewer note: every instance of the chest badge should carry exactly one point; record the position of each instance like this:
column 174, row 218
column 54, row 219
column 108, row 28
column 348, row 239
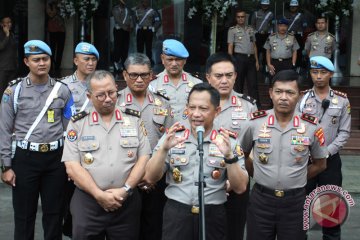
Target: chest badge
column 264, row 132
column 263, row 158
column 177, row 176
column 88, row 158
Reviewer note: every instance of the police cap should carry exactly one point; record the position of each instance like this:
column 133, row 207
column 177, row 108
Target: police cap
column 175, row 48
column 265, row 2
column 294, row 3
column 33, row 47
column 318, row 62
column 283, row 21
column 87, row 48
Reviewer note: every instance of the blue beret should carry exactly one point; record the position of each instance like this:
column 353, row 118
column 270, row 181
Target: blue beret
column 36, row 47
column 294, row 3
column 265, row 2
column 317, row 62
column 283, row 21
column 175, row 48
column 87, row 48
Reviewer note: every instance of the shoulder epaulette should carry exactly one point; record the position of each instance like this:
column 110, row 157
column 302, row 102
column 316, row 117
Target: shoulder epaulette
column 232, row 27
column 180, row 128
column 290, row 33
column 60, row 79
column 309, row 118
column 258, row 114
column 305, row 91
column 330, row 34
column 14, row 82
column 132, row 112
column 341, row 94
column 163, row 95
column 310, row 34
column 231, row 133
column 249, row 99
column 196, row 75
column 79, row 116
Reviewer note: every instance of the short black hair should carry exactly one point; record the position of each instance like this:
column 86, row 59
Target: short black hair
column 286, row 76
column 219, row 57
column 204, row 86
column 322, row 16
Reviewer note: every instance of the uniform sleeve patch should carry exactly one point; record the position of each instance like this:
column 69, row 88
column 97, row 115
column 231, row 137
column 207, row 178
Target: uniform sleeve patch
column 319, row 134
column 348, row 109
column 71, row 135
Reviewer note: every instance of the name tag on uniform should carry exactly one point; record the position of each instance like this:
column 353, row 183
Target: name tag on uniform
column 214, row 151
column 51, row 116
column 300, row 140
column 235, row 115
column 335, row 107
column 177, row 151
column 128, row 132
column 160, row 111
column 264, row 140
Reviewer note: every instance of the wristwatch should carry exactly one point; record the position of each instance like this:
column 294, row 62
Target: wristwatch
column 5, row 168
column 128, row 189
column 232, row 160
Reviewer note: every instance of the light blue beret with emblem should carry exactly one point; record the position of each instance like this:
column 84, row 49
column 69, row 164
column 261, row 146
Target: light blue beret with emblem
column 175, row 48
column 294, row 3
column 87, row 48
column 318, row 62
column 33, row 47
column 265, row 2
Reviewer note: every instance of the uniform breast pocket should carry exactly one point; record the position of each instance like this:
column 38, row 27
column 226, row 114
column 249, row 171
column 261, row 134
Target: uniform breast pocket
column 89, row 151
column 300, row 153
column 160, row 119
column 334, row 115
column 215, row 169
column 130, row 146
column 27, row 103
column 263, row 149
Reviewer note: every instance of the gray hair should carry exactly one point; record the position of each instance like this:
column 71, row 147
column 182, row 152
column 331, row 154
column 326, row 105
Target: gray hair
column 137, row 59
column 98, row 75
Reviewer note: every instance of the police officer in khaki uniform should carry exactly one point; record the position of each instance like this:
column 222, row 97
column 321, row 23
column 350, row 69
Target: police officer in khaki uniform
column 174, row 82
column 155, row 111
column 37, row 109
column 147, row 23
column 122, row 29
column 105, row 153
column 332, row 108
column 261, row 21
column 282, row 140
column 86, row 59
column 242, row 44
column 281, row 49
column 176, row 156
column 221, row 74
column 321, row 42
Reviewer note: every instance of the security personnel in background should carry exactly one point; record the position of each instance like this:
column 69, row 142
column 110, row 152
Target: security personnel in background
column 147, row 23
column 281, row 49
column 261, row 21
column 282, row 140
column 174, row 82
column 86, row 59
column 321, row 42
column 176, row 156
column 242, row 45
column 155, row 111
column 297, row 25
column 332, row 108
column 105, row 153
column 122, row 29
column 221, row 74
column 37, row 109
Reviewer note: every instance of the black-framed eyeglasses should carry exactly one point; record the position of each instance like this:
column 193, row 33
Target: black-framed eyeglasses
column 134, row 75
column 102, row 96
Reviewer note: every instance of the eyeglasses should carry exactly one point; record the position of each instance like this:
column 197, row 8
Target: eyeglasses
column 134, row 76
column 219, row 76
column 102, row 96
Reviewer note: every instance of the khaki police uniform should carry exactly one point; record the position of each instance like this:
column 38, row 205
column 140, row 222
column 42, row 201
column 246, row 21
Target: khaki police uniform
column 147, row 23
column 243, row 39
column 178, row 95
column 182, row 175
column 281, row 50
column 336, row 122
column 280, row 160
column 123, row 17
column 36, row 162
column 108, row 154
column 239, row 107
column 320, row 45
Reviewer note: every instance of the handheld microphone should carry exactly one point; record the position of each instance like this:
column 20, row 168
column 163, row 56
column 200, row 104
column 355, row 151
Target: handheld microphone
column 325, row 105
column 200, row 137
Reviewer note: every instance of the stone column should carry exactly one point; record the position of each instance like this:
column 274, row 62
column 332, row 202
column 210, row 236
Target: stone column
column 355, row 46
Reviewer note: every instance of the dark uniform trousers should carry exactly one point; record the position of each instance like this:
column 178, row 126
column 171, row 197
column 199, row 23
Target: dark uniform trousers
column 5, row 77
column 271, row 217
column 92, row 222
column 332, row 175
column 246, row 69
column 282, row 64
column 181, row 224
column 144, row 37
column 152, row 211
column 236, row 207
column 260, row 41
column 36, row 173
column 299, row 59
column 121, row 44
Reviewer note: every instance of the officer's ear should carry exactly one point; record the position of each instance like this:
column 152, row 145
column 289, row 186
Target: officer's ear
column 26, row 61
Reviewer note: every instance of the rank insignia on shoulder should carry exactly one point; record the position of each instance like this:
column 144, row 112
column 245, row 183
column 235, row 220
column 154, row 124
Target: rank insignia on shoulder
column 258, row 114
column 180, row 128
column 79, row 116
column 231, row 133
column 249, row 99
column 309, row 118
column 341, row 94
column 162, row 94
column 15, row 81
column 132, row 112
column 305, row 91
column 8, row 91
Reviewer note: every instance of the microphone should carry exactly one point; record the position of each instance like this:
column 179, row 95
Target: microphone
column 325, row 105
column 200, row 137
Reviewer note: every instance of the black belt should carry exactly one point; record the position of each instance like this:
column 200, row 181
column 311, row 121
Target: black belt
column 244, row 54
column 190, row 208
column 277, row 193
column 280, row 59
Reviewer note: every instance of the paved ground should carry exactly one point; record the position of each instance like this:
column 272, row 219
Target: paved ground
column 350, row 229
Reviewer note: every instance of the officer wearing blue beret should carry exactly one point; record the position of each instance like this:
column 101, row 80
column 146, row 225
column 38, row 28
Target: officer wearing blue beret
column 174, row 82
column 332, row 108
column 36, row 109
